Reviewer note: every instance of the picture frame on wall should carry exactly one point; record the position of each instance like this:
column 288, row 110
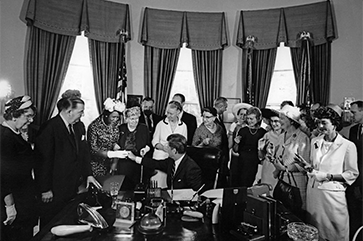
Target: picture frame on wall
column 133, row 99
column 228, row 116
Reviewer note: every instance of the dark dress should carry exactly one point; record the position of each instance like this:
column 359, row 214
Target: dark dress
column 243, row 171
column 17, row 162
column 133, row 141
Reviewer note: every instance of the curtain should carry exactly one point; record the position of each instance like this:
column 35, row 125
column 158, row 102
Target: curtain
column 267, row 28
column 257, row 75
column 105, row 63
column 319, row 73
column 164, row 32
column 47, row 58
column 160, row 66
column 207, row 69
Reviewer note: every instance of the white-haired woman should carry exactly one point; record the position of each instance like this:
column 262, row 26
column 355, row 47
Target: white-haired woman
column 102, row 135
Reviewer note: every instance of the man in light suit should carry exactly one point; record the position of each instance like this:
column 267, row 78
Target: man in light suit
column 355, row 191
column 63, row 158
column 147, row 116
column 189, row 119
column 182, row 171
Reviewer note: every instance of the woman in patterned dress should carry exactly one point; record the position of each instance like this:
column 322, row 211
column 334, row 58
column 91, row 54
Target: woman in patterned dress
column 209, row 133
column 102, row 135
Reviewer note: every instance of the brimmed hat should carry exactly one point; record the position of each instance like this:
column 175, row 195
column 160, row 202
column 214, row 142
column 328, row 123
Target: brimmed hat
column 268, row 113
column 239, row 106
column 291, row 112
column 336, row 108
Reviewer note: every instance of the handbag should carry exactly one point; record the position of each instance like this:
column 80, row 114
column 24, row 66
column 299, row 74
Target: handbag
column 287, row 194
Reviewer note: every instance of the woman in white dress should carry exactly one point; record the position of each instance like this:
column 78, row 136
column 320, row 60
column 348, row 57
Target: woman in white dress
column 333, row 167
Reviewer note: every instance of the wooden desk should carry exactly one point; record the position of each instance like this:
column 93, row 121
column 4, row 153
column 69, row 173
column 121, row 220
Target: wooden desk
column 174, row 230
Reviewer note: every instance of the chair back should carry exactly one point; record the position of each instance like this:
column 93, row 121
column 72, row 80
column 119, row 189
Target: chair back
column 208, row 159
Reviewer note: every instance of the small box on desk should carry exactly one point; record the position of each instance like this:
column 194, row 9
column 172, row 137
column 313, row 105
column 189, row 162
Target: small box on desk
column 125, row 217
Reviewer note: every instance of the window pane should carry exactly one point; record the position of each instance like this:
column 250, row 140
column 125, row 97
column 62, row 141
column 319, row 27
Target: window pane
column 79, row 76
column 283, row 85
column 184, row 83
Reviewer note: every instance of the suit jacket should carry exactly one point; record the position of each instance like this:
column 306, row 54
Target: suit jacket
column 156, row 119
column 188, row 174
column 353, row 136
column 340, row 159
column 61, row 162
column 191, row 122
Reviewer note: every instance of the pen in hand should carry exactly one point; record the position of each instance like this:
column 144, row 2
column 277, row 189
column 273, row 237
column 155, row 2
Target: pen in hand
column 197, row 192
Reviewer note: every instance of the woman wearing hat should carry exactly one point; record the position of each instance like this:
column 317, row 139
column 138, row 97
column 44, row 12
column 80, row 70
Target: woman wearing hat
column 17, row 163
column 333, row 167
column 293, row 141
column 209, row 133
column 267, row 145
column 102, row 135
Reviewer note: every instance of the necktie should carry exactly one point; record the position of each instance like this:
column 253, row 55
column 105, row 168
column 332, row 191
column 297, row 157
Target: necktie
column 73, row 136
column 360, row 131
column 173, row 170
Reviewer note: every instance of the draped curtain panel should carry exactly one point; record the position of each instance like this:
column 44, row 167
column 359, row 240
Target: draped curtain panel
column 105, row 62
column 265, row 29
column 53, row 26
column 160, row 67
column 46, row 64
column 320, row 71
column 263, row 63
column 207, row 69
column 168, row 30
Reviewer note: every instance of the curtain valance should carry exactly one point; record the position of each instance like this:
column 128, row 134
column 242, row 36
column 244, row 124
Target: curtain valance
column 101, row 20
column 271, row 26
column 170, row 29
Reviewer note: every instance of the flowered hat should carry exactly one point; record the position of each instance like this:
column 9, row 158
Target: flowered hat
column 114, row 105
column 18, row 103
column 336, row 108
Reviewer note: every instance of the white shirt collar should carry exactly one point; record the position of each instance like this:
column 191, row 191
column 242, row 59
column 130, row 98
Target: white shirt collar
column 177, row 162
column 8, row 126
column 65, row 121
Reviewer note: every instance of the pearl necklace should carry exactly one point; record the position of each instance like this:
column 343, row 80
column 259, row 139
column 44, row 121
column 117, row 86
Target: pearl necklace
column 252, row 133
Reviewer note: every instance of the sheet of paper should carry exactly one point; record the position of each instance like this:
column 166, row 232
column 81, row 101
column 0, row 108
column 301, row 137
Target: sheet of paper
column 183, row 194
column 213, row 193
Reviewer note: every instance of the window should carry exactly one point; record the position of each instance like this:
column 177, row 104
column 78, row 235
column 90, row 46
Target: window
column 283, row 86
column 79, row 76
column 184, row 83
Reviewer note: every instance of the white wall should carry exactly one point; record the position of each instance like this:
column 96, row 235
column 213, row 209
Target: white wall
column 347, row 50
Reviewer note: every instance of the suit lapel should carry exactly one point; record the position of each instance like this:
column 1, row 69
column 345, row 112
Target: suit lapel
column 66, row 133
column 180, row 167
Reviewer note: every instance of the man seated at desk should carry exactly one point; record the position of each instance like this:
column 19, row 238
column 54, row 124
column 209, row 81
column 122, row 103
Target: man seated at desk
column 182, row 171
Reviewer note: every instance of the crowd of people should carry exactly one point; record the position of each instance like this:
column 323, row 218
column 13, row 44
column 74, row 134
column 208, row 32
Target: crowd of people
column 262, row 146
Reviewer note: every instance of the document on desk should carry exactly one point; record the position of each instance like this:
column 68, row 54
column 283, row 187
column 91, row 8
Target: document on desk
column 183, row 194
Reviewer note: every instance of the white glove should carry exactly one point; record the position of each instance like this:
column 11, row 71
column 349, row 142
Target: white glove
column 117, row 154
column 318, row 175
column 10, row 214
column 144, row 150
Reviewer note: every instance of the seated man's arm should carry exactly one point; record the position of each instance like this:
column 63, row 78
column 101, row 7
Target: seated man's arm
column 194, row 177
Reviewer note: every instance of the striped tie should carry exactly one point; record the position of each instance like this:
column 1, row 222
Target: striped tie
column 173, row 170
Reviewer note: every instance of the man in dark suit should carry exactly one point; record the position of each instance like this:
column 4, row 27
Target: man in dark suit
column 148, row 117
column 63, row 158
column 182, row 171
column 221, row 105
column 355, row 191
column 189, row 119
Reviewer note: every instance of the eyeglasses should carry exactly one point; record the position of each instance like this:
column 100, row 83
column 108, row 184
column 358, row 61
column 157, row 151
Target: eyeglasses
column 207, row 117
